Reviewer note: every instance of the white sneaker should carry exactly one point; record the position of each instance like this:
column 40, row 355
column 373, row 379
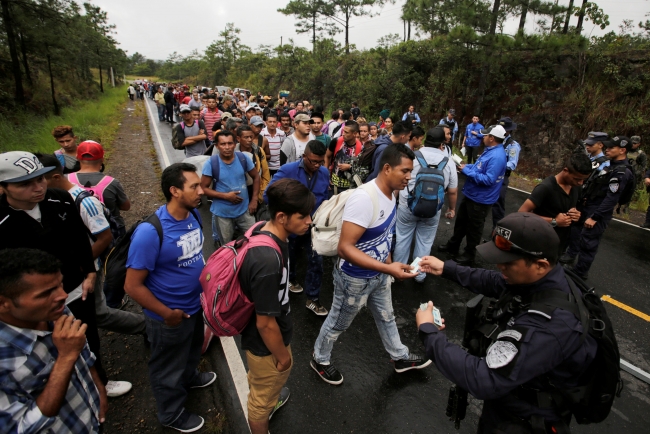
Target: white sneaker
column 117, row 388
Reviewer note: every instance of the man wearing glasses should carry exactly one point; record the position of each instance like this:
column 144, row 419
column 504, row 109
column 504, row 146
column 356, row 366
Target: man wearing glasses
column 310, row 171
column 532, row 346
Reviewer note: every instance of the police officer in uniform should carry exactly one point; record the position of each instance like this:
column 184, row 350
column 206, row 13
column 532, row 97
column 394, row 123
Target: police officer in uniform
column 638, row 159
column 530, row 347
column 512, row 154
column 601, row 194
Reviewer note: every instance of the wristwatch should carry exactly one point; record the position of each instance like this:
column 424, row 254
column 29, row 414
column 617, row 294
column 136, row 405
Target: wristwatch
column 553, row 222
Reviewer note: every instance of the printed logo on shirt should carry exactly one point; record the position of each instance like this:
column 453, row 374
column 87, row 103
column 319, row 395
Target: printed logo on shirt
column 63, row 217
column 191, row 245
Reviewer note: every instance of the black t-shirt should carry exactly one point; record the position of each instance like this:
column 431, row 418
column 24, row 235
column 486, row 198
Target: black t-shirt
column 264, row 278
column 550, row 200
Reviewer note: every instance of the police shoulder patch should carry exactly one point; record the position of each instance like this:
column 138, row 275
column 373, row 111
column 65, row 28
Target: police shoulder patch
column 513, row 152
column 613, row 187
column 500, row 353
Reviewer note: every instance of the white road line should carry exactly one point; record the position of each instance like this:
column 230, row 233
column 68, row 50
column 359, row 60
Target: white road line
column 235, row 362
column 161, row 147
column 237, row 370
column 615, row 219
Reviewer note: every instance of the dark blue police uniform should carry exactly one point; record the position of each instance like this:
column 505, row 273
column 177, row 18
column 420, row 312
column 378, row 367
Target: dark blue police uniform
column 600, row 200
column 534, row 346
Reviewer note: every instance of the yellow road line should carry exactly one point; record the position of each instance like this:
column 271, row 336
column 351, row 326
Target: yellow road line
column 625, row 307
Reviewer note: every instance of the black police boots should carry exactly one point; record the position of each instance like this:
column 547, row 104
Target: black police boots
column 447, row 248
column 466, row 258
column 567, row 259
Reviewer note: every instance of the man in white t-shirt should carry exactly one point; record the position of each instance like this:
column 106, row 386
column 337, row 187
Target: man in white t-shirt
column 361, row 276
column 423, row 229
column 294, row 145
column 275, row 137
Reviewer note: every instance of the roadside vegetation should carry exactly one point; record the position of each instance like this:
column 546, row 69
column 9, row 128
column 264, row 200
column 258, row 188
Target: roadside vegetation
column 95, row 119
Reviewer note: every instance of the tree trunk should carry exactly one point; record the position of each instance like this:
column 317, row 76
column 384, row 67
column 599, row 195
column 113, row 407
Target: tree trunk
column 522, row 20
column 313, row 37
column 57, row 111
column 581, row 17
column 7, row 20
column 554, row 20
column 568, row 16
column 101, row 78
column 23, row 50
column 347, row 34
column 408, row 35
column 478, row 107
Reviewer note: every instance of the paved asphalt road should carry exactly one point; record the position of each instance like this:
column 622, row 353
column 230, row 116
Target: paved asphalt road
column 373, row 398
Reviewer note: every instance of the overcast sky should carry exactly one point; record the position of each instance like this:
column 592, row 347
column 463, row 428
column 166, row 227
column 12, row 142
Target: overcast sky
column 158, row 28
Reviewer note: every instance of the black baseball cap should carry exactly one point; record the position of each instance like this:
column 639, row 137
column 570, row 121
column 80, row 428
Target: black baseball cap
column 519, row 235
column 621, row 141
column 595, row 137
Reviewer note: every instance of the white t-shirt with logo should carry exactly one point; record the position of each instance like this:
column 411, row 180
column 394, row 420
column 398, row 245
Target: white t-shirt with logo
column 376, row 241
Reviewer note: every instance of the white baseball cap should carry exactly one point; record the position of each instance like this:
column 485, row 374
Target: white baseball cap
column 495, row 130
column 18, row 166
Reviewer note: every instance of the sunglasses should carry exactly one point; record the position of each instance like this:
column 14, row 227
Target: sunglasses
column 508, row 246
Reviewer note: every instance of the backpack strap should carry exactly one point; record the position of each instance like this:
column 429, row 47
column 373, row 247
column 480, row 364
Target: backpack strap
column 72, row 177
column 442, row 163
column 372, row 192
column 153, row 220
column 242, row 160
column 214, row 164
column 421, row 159
column 101, row 186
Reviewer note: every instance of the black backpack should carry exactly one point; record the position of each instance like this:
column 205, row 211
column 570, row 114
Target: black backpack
column 116, row 230
column 590, row 401
column 115, row 262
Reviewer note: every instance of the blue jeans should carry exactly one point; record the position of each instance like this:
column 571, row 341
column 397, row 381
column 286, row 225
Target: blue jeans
column 424, row 230
column 350, row 295
column 161, row 112
column 175, row 354
column 223, row 228
column 314, row 274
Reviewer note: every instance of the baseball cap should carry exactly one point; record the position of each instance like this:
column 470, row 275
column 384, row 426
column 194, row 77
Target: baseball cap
column 495, row 130
column 519, row 235
column 250, row 107
column 621, row 141
column 226, row 115
column 595, row 137
column 184, row 108
column 507, row 124
column 18, row 166
column 302, row 117
column 452, row 112
column 90, row 151
column 256, row 120
column 635, row 139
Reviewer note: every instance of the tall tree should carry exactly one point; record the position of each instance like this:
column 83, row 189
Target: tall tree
column 569, row 11
column 314, row 16
column 8, row 21
column 345, row 10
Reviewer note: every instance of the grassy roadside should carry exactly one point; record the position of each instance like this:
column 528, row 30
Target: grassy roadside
column 91, row 119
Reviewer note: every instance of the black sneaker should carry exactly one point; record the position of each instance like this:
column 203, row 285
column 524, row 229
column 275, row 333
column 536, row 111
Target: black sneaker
column 465, row 259
column 284, row 397
column 204, row 379
column 412, row 362
column 316, row 307
column 187, row 422
column 328, row 373
column 453, row 250
column 566, row 259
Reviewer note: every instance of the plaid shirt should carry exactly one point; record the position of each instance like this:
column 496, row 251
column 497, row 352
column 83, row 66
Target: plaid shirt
column 26, row 360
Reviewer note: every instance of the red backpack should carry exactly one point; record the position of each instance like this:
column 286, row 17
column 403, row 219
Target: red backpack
column 226, row 309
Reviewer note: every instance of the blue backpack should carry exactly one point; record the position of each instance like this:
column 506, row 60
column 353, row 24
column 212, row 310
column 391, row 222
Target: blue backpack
column 216, row 169
column 428, row 194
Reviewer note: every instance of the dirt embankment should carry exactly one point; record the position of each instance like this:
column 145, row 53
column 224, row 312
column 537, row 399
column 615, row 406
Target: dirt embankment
column 132, row 160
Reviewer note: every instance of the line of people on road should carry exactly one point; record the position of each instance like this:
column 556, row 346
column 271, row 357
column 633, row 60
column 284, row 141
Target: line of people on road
column 278, row 167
